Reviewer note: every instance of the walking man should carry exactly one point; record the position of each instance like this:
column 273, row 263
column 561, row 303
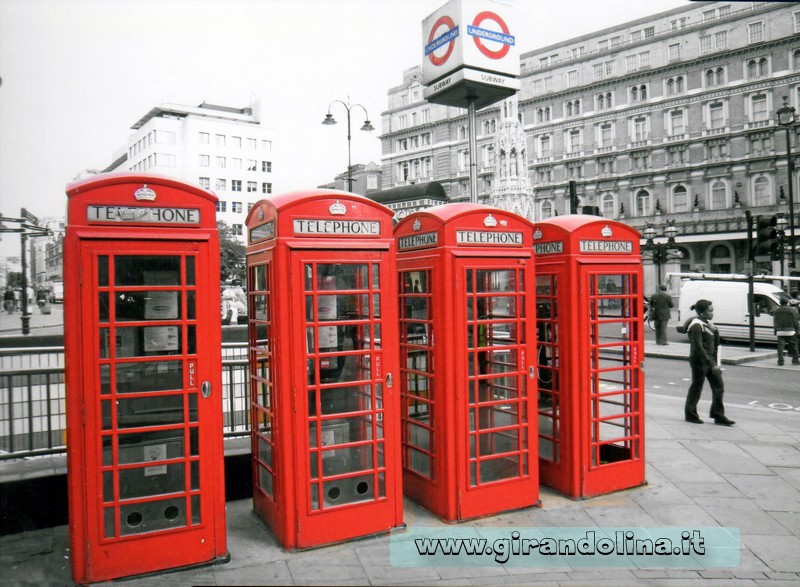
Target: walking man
column 661, row 306
column 786, row 325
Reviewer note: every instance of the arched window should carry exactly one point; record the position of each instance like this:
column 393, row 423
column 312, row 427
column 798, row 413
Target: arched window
column 719, row 195
column 709, row 77
column 569, row 108
column 643, row 92
column 540, row 115
column 607, row 205
column 679, row 84
column 643, row 207
column 680, row 199
column 670, row 86
column 546, row 209
column 547, row 113
column 761, row 191
column 600, row 102
column 796, row 58
column 721, row 261
column 608, row 100
column 634, row 93
column 577, row 107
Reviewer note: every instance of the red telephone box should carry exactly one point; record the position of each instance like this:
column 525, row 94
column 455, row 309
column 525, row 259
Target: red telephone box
column 591, row 346
column 467, row 357
column 142, row 338
column 323, row 363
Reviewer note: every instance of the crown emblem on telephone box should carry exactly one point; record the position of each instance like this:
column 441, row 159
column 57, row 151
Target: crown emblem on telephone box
column 144, row 193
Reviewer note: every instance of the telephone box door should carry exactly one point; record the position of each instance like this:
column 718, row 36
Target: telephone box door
column 497, row 414
column 344, row 384
column 151, row 415
column 614, row 437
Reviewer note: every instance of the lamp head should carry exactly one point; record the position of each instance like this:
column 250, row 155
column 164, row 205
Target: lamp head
column 781, row 223
column 329, row 119
column 367, row 126
column 671, row 231
column 649, row 232
column 785, row 113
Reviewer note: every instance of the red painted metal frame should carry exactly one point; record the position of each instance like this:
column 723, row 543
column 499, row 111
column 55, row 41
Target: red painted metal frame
column 575, row 466
column 286, row 505
column 427, row 242
column 98, row 554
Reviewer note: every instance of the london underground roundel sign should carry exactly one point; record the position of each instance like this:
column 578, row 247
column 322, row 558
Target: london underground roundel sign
column 449, row 33
column 480, row 35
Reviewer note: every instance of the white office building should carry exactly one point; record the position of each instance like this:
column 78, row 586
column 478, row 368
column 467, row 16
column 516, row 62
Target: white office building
column 223, row 149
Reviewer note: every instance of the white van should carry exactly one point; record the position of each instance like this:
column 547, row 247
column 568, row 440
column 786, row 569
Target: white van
column 731, row 315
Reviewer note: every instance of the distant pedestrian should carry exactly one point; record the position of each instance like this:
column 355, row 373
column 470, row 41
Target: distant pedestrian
column 704, row 361
column 661, row 309
column 786, row 324
column 8, row 301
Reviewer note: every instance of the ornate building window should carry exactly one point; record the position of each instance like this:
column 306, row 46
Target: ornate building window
column 608, row 205
column 719, row 195
column 714, row 76
column 643, row 203
column 762, row 191
column 680, row 199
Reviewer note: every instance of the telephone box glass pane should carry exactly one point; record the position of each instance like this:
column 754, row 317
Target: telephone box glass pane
column 147, row 305
column 149, row 376
column 102, row 270
column 102, row 306
column 190, row 272
column 147, row 270
column 149, row 411
column 191, row 312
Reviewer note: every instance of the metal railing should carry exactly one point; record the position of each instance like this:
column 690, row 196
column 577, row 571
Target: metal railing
column 33, row 420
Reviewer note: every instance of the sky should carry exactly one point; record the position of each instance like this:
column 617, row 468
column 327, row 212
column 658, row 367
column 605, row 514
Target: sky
column 77, row 74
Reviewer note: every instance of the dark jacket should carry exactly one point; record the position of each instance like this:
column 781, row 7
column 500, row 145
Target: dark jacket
column 785, row 318
column 704, row 339
column 660, row 304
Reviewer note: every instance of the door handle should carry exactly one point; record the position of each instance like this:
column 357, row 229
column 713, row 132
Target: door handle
column 205, row 389
column 389, row 380
column 531, row 372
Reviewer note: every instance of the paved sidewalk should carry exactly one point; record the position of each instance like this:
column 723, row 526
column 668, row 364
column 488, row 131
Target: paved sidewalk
column 746, row 477
column 53, row 323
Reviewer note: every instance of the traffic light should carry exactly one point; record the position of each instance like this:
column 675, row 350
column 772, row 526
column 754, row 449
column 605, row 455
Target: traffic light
column 766, row 237
column 573, row 197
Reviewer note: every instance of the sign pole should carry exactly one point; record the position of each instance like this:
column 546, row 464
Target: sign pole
column 473, row 151
column 751, row 308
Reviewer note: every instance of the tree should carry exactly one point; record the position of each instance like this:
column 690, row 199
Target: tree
column 232, row 254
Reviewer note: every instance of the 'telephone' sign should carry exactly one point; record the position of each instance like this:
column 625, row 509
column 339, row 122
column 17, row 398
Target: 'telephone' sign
column 477, row 34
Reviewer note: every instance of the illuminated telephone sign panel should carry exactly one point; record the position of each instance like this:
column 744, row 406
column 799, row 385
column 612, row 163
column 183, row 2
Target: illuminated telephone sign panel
column 589, row 323
column 467, row 352
column 323, row 365
column 143, row 371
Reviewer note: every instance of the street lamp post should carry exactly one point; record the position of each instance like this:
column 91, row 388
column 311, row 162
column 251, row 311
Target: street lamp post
column 366, row 127
column 786, row 119
column 661, row 252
